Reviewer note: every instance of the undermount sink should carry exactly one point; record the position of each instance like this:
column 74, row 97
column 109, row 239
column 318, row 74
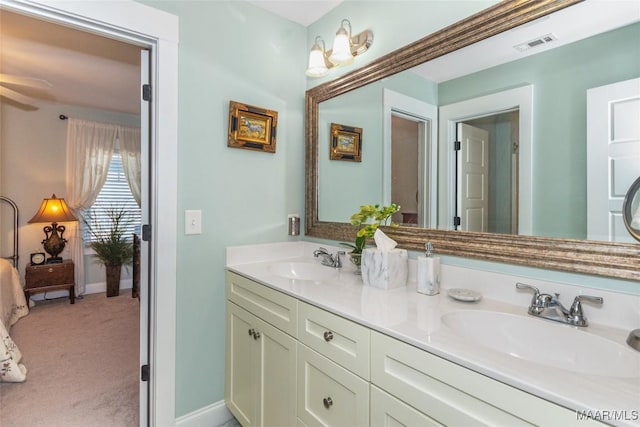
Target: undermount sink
column 544, row 342
column 303, row 271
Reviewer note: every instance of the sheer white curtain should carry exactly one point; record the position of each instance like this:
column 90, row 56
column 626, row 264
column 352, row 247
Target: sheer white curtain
column 89, row 149
column 129, row 139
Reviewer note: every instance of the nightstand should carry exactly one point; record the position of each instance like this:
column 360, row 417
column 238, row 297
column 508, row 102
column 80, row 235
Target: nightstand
column 50, row 277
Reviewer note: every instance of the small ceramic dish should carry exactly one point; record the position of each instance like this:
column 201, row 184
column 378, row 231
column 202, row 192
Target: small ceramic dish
column 466, row 295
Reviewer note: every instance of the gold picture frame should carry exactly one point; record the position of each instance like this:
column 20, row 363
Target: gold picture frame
column 345, row 143
column 252, row 128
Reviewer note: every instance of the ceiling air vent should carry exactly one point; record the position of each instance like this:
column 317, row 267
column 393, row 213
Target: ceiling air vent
column 539, row 41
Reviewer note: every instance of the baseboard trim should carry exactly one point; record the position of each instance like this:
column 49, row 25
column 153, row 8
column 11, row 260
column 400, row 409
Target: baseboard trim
column 213, row 415
column 90, row 288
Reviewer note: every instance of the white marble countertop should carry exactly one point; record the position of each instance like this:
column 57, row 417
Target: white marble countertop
column 416, row 319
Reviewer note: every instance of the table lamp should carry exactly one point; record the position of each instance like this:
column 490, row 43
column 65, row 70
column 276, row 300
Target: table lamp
column 53, row 210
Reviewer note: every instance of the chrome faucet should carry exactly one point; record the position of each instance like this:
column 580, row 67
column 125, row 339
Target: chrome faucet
column 328, row 259
column 549, row 307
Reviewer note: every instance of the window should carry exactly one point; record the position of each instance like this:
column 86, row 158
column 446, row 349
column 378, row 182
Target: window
column 115, row 194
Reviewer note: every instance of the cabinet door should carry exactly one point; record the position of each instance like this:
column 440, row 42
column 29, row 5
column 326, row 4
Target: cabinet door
column 329, row 394
column 241, row 387
column 276, row 376
column 387, row 411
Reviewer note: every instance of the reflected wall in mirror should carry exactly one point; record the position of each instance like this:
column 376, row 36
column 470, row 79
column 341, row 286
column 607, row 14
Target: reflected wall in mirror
column 548, row 194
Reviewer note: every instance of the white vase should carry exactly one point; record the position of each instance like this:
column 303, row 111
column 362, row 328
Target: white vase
column 385, row 270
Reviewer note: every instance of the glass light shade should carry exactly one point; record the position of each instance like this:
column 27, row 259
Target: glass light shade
column 317, row 66
column 53, row 210
column 341, row 54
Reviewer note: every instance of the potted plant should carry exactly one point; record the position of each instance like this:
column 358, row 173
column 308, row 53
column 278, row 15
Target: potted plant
column 112, row 247
column 368, row 219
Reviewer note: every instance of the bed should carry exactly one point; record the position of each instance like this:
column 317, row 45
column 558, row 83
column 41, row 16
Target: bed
column 13, row 306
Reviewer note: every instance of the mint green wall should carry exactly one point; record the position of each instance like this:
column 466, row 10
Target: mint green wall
column 560, row 78
column 229, row 51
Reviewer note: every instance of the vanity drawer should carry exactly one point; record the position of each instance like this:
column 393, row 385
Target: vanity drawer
column 329, row 395
column 272, row 306
column 454, row 395
column 341, row 340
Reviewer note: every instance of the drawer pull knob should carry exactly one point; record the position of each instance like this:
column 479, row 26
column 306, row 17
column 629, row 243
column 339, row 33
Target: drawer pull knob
column 50, row 270
column 328, row 336
column 327, row 402
column 251, row 332
column 256, row 335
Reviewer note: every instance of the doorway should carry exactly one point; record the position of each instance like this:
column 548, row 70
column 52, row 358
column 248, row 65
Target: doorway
column 520, row 154
column 410, row 158
column 158, row 31
column 487, row 173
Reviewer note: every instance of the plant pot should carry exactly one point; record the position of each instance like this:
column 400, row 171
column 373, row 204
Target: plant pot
column 356, row 260
column 113, row 279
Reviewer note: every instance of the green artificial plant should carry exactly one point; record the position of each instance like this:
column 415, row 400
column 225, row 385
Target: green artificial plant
column 368, row 219
column 112, row 244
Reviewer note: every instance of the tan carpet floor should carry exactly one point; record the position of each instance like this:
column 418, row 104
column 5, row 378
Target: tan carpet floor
column 82, row 363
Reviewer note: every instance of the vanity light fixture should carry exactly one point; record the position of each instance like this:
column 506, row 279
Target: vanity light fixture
column 345, row 48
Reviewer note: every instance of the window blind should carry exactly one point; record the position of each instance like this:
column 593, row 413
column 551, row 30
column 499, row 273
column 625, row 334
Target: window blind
column 114, row 195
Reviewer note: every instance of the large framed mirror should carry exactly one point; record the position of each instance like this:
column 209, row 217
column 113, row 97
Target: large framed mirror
column 524, row 241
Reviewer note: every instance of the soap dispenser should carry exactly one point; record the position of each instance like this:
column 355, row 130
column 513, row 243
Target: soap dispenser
column 428, row 274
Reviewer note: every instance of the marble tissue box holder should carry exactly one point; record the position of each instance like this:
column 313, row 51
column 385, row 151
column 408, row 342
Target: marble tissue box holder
column 385, row 270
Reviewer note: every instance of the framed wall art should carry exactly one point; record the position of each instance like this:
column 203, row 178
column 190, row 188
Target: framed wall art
column 252, row 128
column 346, row 143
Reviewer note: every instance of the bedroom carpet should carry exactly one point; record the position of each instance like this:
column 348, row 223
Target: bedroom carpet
column 82, row 364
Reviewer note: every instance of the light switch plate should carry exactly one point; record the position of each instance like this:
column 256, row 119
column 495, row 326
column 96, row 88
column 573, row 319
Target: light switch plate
column 192, row 222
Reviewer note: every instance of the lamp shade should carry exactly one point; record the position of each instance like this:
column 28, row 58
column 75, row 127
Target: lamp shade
column 53, row 210
column 317, row 66
column 341, row 54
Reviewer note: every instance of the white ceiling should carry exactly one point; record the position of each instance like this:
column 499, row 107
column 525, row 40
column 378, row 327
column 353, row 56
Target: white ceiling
column 97, row 72
column 83, row 69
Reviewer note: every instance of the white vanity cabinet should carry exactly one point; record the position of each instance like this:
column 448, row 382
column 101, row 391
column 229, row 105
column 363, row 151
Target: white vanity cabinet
column 292, row 363
column 260, row 374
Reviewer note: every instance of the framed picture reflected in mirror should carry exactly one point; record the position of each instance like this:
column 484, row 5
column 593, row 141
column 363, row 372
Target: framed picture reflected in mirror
column 346, row 143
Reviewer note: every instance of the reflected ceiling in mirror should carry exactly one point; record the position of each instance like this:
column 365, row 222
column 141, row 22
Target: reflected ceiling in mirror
column 581, row 256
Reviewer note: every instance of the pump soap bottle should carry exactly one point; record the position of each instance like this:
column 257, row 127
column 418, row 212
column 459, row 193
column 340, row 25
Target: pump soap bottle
column 428, row 274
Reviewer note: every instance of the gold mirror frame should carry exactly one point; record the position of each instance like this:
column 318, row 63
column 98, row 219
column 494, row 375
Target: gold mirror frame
column 619, row 260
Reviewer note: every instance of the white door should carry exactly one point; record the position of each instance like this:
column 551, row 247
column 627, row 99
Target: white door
column 613, row 156
column 473, row 178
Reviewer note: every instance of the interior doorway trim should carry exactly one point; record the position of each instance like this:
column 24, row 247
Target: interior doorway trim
column 520, row 98
column 145, row 26
column 427, row 115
